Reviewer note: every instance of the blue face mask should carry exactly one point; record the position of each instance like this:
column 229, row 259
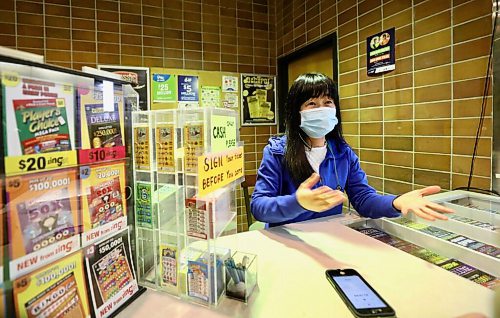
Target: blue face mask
column 318, row 122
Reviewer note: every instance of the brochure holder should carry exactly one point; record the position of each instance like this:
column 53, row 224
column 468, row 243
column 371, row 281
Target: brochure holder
column 187, row 164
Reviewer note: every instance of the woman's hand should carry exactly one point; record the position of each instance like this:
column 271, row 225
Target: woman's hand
column 415, row 202
column 320, row 199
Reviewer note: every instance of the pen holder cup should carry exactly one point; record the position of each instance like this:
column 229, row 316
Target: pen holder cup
column 241, row 276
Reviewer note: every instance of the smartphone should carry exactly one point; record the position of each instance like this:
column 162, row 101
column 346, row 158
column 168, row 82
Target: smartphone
column 359, row 296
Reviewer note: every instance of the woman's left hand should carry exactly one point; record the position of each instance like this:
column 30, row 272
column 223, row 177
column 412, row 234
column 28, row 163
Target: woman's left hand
column 415, row 202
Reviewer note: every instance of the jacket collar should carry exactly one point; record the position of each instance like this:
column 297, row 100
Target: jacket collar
column 278, row 145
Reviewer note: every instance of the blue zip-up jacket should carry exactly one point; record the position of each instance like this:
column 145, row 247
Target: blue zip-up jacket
column 274, row 200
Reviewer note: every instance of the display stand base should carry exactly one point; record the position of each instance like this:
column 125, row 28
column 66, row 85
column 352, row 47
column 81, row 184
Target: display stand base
column 141, row 291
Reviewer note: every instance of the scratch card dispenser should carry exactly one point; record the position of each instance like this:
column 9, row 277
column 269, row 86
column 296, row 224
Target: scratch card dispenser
column 144, row 212
column 57, row 290
column 111, row 273
column 165, row 148
column 168, row 262
column 193, row 146
column 44, row 220
column 197, row 219
column 197, row 277
column 101, row 128
column 141, row 148
column 103, row 201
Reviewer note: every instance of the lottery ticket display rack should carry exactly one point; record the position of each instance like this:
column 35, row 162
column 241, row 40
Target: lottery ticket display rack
column 466, row 244
column 187, row 165
column 66, row 239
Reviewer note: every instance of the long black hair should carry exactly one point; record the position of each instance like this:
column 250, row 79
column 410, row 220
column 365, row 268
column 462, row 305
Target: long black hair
column 306, row 86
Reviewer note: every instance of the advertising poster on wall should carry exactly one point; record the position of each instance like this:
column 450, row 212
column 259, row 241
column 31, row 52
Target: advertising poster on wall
column 164, row 88
column 57, row 290
column 110, row 272
column 188, row 88
column 381, row 52
column 258, row 100
column 137, row 76
column 229, row 83
column 230, row 100
column 210, row 96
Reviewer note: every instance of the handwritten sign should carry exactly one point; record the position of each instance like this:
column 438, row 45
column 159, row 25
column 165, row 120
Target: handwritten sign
column 216, row 170
column 223, row 134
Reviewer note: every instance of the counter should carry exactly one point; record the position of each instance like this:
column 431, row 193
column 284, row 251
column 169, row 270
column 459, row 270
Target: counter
column 292, row 260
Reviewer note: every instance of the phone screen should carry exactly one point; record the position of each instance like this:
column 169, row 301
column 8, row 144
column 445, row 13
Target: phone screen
column 358, row 293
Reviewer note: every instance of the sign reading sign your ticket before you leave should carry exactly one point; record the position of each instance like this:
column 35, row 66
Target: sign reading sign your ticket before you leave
column 216, row 170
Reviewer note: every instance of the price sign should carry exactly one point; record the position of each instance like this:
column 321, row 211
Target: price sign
column 39, row 162
column 97, row 155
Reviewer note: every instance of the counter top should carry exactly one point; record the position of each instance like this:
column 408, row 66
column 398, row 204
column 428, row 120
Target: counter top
column 292, row 260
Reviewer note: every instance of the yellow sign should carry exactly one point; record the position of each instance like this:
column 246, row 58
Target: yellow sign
column 10, row 79
column 216, row 170
column 223, row 134
column 40, row 162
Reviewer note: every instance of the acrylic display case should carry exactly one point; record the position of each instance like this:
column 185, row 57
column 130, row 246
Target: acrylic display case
column 241, row 276
column 159, row 197
column 66, row 210
column 467, row 244
column 187, row 163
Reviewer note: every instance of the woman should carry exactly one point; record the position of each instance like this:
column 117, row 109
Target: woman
column 303, row 175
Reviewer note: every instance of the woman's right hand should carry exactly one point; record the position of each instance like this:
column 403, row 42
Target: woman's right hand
column 320, row 199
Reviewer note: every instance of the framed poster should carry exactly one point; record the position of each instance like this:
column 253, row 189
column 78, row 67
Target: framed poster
column 381, row 52
column 258, row 100
column 138, row 76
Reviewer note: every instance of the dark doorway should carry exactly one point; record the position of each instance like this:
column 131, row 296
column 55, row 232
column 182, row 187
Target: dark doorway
column 321, row 49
